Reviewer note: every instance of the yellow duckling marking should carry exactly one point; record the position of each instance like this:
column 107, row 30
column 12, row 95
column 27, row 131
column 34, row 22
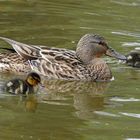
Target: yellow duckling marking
column 33, row 81
column 19, row 86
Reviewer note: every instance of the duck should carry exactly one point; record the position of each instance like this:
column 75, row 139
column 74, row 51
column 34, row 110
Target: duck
column 23, row 87
column 11, row 62
column 59, row 63
column 133, row 58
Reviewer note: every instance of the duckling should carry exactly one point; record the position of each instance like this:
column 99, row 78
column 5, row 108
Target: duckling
column 54, row 63
column 133, row 58
column 20, row 86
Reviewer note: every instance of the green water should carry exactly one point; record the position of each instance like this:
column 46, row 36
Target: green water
column 73, row 110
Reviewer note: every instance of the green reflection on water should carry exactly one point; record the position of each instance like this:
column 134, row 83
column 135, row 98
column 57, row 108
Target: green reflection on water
column 73, row 110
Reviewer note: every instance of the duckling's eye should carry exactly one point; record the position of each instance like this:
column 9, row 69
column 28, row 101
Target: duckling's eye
column 36, row 79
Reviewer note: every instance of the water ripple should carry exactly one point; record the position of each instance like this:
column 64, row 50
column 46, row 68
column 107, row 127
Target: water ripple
column 132, row 139
column 131, row 44
column 125, row 3
column 130, row 114
column 126, row 34
column 90, row 13
column 106, row 114
column 124, row 100
column 138, row 48
column 55, row 103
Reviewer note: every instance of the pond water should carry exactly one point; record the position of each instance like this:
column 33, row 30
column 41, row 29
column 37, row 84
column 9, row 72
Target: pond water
column 73, row 110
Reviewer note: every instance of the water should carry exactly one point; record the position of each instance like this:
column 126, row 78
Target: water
column 65, row 110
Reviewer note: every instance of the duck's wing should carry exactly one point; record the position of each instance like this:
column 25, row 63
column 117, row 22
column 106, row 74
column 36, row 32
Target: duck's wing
column 28, row 52
column 50, row 62
column 59, row 64
column 11, row 62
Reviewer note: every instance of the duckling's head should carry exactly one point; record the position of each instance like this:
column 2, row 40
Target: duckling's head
column 92, row 46
column 33, row 79
column 133, row 59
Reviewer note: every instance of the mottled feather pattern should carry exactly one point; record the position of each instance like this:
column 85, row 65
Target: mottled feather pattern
column 24, row 49
column 12, row 62
column 100, row 70
column 57, row 63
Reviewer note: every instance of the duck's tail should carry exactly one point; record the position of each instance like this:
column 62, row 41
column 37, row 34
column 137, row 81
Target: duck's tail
column 29, row 52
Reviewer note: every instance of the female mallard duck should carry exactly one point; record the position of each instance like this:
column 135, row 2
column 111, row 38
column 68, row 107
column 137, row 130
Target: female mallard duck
column 19, row 86
column 56, row 63
column 133, row 58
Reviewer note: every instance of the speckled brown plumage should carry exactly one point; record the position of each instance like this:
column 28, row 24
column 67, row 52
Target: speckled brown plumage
column 55, row 63
column 12, row 62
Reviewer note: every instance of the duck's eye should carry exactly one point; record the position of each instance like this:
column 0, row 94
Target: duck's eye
column 103, row 43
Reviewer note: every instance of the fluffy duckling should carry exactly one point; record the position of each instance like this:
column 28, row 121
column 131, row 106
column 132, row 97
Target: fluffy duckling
column 133, row 58
column 20, row 86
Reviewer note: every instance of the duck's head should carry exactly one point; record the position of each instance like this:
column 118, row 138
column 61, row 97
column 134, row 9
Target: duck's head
column 133, row 58
column 33, row 79
column 92, row 46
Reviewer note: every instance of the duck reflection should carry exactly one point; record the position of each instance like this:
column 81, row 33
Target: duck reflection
column 86, row 96
column 86, row 104
column 74, row 87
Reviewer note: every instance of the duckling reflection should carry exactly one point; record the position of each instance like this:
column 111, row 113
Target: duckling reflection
column 20, row 86
column 28, row 103
column 85, row 97
column 31, row 103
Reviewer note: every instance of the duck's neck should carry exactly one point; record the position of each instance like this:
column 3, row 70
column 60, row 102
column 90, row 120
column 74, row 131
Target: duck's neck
column 85, row 55
column 99, row 70
column 96, row 60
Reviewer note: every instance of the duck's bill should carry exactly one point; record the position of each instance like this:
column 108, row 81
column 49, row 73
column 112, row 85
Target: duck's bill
column 113, row 53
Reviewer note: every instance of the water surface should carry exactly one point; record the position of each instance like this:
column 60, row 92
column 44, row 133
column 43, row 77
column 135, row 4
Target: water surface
column 73, row 110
